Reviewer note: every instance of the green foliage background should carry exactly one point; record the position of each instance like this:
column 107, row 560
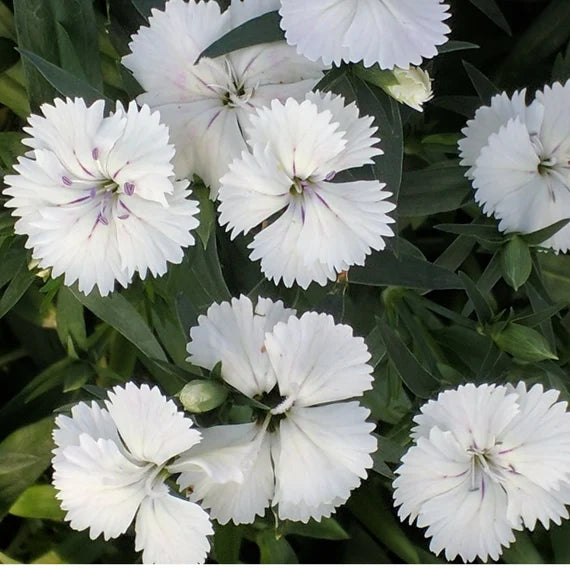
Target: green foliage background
column 451, row 300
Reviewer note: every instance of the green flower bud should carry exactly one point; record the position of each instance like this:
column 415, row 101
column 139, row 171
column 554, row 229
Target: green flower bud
column 523, row 342
column 200, row 396
column 516, row 262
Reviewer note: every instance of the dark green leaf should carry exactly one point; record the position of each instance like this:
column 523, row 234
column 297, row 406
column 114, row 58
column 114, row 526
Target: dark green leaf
column 8, row 54
column 144, row 7
column 63, row 81
column 386, row 112
column 327, row 529
column 413, row 374
column 536, row 318
column 483, row 85
column 493, row 12
column 260, row 30
column 464, row 105
column 120, row 314
column 555, row 271
column 227, row 542
column 455, row 46
column 273, row 549
column 516, row 262
column 561, row 69
column 207, row 215
column 18, row 286
column 523, row 551
column 376, row 346
column 483, row 233
column 70, row 320
column 438, row 188
column 384, row 268
column 381, row 523
column 477, row 298
column 540, row 236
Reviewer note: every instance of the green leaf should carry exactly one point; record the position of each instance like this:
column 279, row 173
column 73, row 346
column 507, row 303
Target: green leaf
column 368, row 506
column 38, row 502
column 8, row 54
column 493, row 12
column 477, row 298
column 327, row 529
column 451, row 46
column 484, row 233
column 121, row 315
column 376, row 346
column 523, row 551
column 483, row 85
column 438, row 188
column 63, row 81
column 34, row 439
column 70, row 319
column 555, row 271
column 207, row 215
column 384, row 268
column 560, row 543
column 273, row 549
column 389, row 450
column 540, row 236
column 516, row 262
column 227, row 542
column 561, row 68
column 373, row 101
column 14, row 461
column 413, row 374
column 260, row 30
column 538, row 317
column 144, row 7
column 63, row 34
column 524, row 343
column 20, row 283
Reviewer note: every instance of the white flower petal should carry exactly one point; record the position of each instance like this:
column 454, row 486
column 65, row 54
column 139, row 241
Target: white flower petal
column 358, row 131
column 472, row 413
column 172, row 531
column 234, row 335
column 254, row 189
column 150, row 425
column 206, row 103
column 99, row 487
column 280, row 249
column 316, row 361
column 512, row 184
column 91, row 420
column 230, row 471
column 555, row 129
column 305, row 141
column 331, row 446
column 72, row 195
column 388, row 32
column 434, row 485
column 489, row 119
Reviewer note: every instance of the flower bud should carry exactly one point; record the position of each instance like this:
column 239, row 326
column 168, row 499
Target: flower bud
column 409, row 86
column 200, row 396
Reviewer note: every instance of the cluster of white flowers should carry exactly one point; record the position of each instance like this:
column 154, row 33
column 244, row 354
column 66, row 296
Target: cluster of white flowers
column 110, row 464
column 486, row 460
column 104, row 197
column 519, row 159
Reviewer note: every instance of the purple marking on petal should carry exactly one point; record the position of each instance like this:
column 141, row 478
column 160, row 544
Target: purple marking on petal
column 482, row 487
column 330, row 175
column 92, row 192
column 66, row 181
column 294, row 165
column 124, row 206
column 123, row 216
column 95, row 153
column 322, row 200
column 101, row 218
column 129, row 188
column 211, row 121
column 303, row 213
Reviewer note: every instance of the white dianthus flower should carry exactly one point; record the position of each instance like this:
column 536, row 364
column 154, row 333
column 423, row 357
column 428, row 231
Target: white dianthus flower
column 487, row 460
column 96, row 195
column 391, row 33
column 307, row 450
column 322, row 227
column 520, row 162
column 206, row 103
column 110, row 466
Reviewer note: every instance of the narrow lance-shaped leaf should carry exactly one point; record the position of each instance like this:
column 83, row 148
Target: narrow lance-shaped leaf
column 483, row 85
column 260, row 30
